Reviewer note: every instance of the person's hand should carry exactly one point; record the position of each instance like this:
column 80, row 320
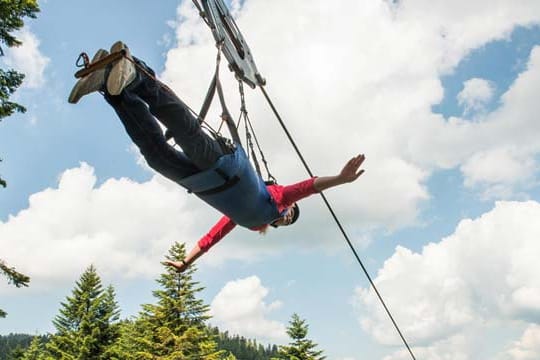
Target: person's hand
column 350, row 172
column 180, row 266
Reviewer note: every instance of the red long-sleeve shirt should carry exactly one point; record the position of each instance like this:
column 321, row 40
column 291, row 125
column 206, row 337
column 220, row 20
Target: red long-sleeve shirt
column 284, row 196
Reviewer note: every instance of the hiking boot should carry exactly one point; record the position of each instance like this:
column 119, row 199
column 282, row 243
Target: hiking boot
column 123, row 71
column 91, row 82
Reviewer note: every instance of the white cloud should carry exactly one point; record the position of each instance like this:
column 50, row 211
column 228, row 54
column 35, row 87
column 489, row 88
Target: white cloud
column 240, row 308
column 483, row 274
column 28, row 59
column 362, row 76
column 499, row 171
column 122, row 227
column 475, row 95
column 528, row 347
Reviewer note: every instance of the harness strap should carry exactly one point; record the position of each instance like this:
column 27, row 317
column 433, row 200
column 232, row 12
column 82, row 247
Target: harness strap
column 100, row 64
column 228, row 184
column 208, row 99
column 229, row 181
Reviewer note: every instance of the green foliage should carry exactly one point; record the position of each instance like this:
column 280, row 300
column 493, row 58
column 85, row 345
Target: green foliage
column 242, row 348
column 174, row 327
column 300, row 348
column 12, row 14
column 12, row 344
column 87, row 324
column 36, row 351
column 14, row 278
column 10, row 80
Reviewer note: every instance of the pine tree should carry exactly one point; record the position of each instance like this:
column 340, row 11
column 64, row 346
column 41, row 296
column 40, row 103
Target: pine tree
column 14, row 278
column 174, row 327
column 87, row 324
column 300, row 348
column 35, row 351
column 132, row 342
column 12, row 13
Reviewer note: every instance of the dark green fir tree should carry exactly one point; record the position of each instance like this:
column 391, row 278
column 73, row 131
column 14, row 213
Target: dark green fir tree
column 174, row 327
column 12, row 14
column 87, row 326
column 36, row 351
column 300, row 348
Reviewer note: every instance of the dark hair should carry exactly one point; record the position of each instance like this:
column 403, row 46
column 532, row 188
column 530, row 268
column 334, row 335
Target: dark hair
column 296, row 213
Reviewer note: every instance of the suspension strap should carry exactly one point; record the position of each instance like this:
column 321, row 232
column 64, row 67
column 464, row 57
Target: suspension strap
column 208, row 99
column 215, row 86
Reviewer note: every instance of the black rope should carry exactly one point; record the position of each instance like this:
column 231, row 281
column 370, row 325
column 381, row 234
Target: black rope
column 337, row 221
column 251, row 151
column 250, row 134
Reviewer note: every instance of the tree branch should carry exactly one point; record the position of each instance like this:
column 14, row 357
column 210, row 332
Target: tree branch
column 14, row 277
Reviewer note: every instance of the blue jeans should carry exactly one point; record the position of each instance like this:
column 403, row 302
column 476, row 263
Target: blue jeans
column 146, row 101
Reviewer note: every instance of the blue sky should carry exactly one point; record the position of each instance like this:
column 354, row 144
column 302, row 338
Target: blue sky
column 441, row 99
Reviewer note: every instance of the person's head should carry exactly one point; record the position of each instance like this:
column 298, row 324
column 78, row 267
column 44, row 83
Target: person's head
column 291, row 215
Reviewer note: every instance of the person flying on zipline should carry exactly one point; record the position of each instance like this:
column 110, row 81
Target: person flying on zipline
column 215, row 170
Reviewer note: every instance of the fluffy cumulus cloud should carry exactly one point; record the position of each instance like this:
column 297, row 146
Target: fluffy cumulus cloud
column 122, row 227
column 484, row 273
column 240, row 307
column 362, row 76
column 28, row 59
column 475, row 95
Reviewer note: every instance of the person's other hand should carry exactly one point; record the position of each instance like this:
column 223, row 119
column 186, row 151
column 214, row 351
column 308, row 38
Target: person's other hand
column 180, row 266
column 350, row 171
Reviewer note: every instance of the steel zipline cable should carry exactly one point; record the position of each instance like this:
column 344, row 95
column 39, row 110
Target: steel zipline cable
column 351, row 246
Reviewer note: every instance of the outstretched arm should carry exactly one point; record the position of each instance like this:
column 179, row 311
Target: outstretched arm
column 349, row 173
